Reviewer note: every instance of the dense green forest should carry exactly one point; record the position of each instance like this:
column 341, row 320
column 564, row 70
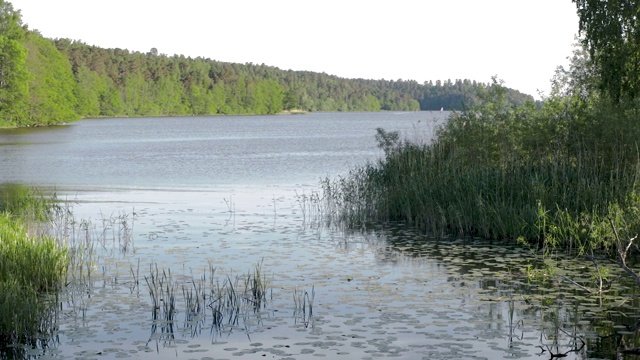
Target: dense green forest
column 44, row 81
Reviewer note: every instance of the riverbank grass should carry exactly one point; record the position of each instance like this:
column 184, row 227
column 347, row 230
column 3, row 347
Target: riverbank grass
column 32, row 269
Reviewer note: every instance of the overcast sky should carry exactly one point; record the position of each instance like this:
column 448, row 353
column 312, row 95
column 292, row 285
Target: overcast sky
column 521, row 41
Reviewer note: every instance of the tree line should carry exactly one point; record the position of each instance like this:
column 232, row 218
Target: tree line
column 45, row 81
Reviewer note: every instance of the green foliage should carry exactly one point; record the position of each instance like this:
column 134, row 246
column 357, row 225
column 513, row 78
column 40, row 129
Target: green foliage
column 14, row 88
column 371, row 103
column 554, row 175
column 88, row 92
column 10, row 22
column 52, row 87
column 36, row 86
column 152, row 84
column 611, row 33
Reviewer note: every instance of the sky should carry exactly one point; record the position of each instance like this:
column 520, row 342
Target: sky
column 520, row 41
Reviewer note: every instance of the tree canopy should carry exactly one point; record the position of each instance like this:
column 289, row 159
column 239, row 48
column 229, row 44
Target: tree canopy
column 14, row 90
column 611, row 32
column 45, row 81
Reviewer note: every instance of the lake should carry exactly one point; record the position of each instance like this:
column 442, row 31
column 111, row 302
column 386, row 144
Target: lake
column 228, row 204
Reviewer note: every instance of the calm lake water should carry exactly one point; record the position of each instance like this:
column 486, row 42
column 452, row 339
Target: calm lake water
column 190, row 194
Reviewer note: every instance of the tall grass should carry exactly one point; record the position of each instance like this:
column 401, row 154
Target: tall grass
column 33, row 268
column 25, row 202
column 550, row 175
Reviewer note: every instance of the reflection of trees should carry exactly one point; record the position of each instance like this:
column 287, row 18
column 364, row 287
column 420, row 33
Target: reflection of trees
column 617, row 331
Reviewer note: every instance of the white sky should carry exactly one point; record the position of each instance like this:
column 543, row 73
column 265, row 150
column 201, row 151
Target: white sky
column 521, row 41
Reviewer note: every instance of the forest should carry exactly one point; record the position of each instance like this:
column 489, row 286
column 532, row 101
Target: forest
column 49, row 81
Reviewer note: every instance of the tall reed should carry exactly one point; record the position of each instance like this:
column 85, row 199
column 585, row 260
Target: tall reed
column 547, row 175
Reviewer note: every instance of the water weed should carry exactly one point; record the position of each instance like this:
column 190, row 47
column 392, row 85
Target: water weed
column 303, row 305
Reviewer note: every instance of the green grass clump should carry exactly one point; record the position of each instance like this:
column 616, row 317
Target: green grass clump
column 31, row 269
column 37, row 262
column 25, row 202
column 555, row 175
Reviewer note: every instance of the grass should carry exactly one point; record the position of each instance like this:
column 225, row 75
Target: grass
column 25, row 202
column 33, row 267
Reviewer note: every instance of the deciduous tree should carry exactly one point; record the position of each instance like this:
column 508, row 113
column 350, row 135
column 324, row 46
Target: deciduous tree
column 14, row 77
column 610, row 30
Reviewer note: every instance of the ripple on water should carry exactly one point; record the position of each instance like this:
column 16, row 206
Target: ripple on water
column 370, row 299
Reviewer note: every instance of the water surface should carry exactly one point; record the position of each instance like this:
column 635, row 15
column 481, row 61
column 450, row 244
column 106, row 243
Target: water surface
column 233, row 192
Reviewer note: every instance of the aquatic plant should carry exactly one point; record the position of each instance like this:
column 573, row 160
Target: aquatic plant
column 303, row 305
column 560, row 177
column 46, row 260
column 310, row 205
column 162, row 290
column 499, row 172
column 208, row 300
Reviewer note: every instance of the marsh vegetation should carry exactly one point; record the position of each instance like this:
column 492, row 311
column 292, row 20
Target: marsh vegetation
column 560, row 178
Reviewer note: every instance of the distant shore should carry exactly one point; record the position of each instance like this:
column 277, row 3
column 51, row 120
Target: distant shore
column 293, row 112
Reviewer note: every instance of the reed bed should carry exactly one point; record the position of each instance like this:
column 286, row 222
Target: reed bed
column 549, row 176
column 303, row 305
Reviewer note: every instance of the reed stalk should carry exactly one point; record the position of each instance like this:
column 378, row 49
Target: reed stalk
column 222, row 302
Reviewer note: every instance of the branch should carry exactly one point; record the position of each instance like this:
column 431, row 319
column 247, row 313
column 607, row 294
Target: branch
column 623, row 254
